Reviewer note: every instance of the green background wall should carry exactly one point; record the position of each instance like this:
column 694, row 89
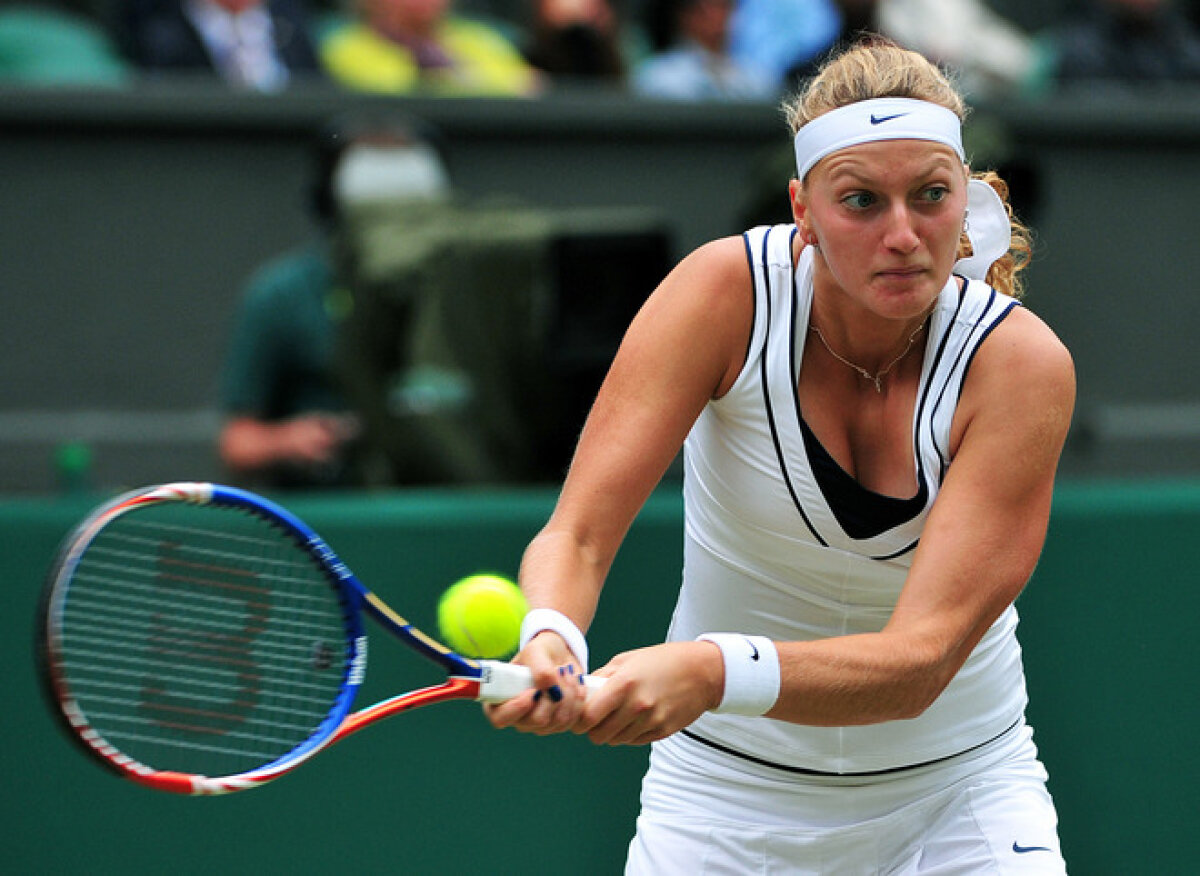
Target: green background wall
column 1107, row 626
column 132, row 219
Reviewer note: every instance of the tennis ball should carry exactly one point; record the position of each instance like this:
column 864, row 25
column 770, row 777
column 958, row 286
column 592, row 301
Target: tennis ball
column 480, row 616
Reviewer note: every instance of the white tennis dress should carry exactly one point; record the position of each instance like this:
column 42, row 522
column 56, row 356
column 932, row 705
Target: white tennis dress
column 780, row 542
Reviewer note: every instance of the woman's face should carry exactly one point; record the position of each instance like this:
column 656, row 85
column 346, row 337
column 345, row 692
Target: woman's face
column 887, row 217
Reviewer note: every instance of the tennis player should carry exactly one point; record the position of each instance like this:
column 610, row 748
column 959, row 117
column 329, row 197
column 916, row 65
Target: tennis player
column 871, row 425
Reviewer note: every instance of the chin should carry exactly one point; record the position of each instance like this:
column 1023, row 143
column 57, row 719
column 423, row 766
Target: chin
column 907, row 295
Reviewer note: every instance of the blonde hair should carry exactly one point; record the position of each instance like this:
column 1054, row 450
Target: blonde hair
column 877, row 67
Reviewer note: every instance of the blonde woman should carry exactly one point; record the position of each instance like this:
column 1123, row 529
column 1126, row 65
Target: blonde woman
column 871, row 424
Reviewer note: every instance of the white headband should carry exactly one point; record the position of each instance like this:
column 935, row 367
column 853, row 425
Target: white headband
column 901, row 118
column 884, row 118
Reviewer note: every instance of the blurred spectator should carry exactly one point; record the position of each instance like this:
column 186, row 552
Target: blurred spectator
column 859, row 19
column 1127, row 42
column 47, row 44
column 401, row 46
column 691, row 59
column 575, row 40
column 773, row 36
column 253, row 44
column 989, row 53
column 286, row 426
column 287, row 423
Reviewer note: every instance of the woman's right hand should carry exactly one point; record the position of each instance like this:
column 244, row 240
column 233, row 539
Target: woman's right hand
column 554, row 703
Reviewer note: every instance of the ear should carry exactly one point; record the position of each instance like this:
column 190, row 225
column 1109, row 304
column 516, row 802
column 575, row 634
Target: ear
column 799, row 205
column 800, row 211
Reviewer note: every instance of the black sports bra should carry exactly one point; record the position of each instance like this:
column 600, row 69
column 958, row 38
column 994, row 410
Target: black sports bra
column 862, row 513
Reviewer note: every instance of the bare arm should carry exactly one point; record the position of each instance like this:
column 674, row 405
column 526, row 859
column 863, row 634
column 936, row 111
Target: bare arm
column 1008, row 433
column 994, row 504
column 685, row 347
column 247, row 443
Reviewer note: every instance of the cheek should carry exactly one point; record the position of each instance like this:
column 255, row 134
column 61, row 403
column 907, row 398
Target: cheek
column 949, row 238
column 848, row 254
column 848, row 240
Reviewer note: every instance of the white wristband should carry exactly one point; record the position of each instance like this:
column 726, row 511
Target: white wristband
column 751, row 673
column 540, row 619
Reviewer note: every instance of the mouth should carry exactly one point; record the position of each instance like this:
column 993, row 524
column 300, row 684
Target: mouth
column 902, row 273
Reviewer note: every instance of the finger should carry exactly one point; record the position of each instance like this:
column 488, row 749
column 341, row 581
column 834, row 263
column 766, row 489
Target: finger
column 633, row 734
column 553, row 704
column 546, row 716
column 648, row 737
column 604, row 716
column 613, row 729
column 563, row 700
column 625, row 722
column 511, row 712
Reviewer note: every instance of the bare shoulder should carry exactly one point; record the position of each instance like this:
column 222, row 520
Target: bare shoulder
column 705, row 309
column 717, row 267
column 711, row 280
column 1023, row 348
column 1021, row 380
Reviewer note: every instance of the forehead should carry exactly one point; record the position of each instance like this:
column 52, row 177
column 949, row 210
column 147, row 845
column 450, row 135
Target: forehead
column 888, row 158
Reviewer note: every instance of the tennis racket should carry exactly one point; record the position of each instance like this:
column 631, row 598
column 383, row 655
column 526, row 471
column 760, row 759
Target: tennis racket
column 200, row 639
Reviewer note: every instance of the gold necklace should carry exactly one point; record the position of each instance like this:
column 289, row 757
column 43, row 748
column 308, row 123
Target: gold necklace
column 877, row 378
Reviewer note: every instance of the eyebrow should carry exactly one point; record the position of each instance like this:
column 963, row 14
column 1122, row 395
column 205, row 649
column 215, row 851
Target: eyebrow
column 851, row 165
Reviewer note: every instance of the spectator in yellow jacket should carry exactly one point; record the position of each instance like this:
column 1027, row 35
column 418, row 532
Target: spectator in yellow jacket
column 403, row 46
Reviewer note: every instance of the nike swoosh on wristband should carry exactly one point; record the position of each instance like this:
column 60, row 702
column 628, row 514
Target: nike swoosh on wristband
column 1023, row 850
column 879, row 120
column 753, row 650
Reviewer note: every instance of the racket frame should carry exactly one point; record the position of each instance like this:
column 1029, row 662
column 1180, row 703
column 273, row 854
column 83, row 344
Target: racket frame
column 484, row 680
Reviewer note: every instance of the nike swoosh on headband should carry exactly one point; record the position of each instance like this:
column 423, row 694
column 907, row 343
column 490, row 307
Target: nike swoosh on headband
column 879, row 120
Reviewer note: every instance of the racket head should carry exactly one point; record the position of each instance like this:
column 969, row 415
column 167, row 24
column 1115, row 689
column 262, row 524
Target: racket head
column 199, row 639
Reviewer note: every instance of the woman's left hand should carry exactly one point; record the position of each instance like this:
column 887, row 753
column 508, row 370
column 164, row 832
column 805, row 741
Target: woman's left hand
column 653, row 692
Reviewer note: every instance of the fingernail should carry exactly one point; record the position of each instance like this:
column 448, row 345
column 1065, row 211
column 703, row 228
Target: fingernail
column 555, row 693
column 581, row 681
column 537, row 696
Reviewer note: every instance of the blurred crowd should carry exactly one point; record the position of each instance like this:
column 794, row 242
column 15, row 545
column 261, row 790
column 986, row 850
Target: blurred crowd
column 670, row 49
column 289, row 417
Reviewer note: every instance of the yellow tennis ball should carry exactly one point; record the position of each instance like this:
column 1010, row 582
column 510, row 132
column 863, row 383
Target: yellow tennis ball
column 480, row 616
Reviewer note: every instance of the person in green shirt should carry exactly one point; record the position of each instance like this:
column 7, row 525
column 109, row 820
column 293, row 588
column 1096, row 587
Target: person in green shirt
column 286, row 422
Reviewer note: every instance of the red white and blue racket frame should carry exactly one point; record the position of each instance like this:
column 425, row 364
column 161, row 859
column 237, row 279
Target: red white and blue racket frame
column 468, row 678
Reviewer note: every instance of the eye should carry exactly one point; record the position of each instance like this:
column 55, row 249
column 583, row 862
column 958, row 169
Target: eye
column 859, row 200
column 936, row 194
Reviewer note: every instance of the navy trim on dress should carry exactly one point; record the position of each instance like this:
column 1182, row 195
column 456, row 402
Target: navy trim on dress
column 803, row 771
column 861, row 512
column 766, row 389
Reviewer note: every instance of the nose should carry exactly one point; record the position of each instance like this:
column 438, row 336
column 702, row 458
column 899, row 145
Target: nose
column 901, row 233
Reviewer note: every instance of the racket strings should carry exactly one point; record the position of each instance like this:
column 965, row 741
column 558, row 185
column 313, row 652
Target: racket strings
column 200, row 640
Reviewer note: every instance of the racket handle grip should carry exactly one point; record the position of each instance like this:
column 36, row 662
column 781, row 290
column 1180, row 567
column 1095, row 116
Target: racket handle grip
column 502, row 681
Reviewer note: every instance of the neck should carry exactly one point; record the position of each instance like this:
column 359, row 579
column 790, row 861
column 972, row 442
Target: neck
column 869, row 339
column 877, row 367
